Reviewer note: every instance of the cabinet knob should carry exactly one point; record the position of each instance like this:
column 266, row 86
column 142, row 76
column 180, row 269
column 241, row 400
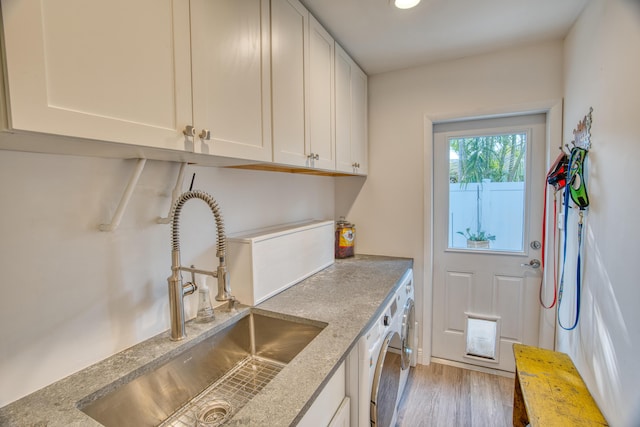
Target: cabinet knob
column 189, row 130
column 313, row 156
column 356, row 165
column 205, row 134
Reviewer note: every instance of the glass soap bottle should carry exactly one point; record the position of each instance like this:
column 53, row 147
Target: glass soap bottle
column 205, row 310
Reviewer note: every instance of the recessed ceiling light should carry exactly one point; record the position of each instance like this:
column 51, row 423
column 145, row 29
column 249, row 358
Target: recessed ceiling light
column 406, row 4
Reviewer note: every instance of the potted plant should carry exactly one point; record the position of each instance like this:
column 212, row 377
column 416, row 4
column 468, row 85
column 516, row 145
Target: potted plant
column 480, row 239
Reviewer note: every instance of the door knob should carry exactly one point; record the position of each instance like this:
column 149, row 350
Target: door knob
column 534, row 263
column 189, row 130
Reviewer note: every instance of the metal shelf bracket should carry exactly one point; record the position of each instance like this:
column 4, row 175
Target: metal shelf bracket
column 177, row 190
column 126, row 196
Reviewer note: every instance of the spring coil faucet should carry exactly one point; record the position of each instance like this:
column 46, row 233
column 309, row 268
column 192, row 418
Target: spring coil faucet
column 178, row 290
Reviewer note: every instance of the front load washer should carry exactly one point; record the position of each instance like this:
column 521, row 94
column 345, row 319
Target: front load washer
column 380, row 369
column 386, row 384
column 408, row 330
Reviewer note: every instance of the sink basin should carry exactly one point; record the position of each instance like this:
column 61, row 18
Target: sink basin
column 207, row 383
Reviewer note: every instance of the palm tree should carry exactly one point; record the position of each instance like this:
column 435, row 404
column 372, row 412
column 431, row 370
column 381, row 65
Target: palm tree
column 499, row 158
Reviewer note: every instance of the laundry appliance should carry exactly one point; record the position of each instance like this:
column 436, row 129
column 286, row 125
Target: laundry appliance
column 385, row 358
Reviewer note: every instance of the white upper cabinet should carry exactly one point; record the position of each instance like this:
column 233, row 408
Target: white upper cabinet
column 254, row 80
column 343, row 111
column 116, row 70
column 359, row 121
column 321, row 96
column 231, row 79
column 122, row 70
column 289, row 56
column 302, row 83
column 351, row 115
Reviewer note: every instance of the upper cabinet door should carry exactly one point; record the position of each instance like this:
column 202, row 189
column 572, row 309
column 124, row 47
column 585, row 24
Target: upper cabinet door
column 351, row 115
column 231, row 78
column 289, row 56
column 359, row 120
column 113, row 70
column 343, row 110
column 321, row 96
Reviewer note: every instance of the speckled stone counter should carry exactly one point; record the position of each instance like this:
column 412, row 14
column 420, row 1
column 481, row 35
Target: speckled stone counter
column 346, row 296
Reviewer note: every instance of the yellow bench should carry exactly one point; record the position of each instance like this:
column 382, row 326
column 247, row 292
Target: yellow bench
column 550, row 392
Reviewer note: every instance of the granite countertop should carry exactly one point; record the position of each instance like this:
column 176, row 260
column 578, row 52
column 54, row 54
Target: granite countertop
column 347, row 296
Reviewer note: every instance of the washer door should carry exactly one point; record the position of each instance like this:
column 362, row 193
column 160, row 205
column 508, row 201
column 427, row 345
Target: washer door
column 386, row 383
column 408, row 322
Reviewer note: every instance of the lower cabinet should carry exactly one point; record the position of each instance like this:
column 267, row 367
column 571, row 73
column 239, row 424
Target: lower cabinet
column 332, row 407
column 341, row 417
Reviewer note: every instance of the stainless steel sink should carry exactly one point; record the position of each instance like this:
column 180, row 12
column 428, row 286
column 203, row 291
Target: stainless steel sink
column 209, row 381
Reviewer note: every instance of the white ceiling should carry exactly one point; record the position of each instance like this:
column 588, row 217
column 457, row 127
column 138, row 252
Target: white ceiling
column 382, row 38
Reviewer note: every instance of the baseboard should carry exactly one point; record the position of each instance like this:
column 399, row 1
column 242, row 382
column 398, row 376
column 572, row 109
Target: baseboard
column 473, row 367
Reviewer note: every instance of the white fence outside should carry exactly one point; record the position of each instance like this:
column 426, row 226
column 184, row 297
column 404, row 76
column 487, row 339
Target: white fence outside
column 500, row 207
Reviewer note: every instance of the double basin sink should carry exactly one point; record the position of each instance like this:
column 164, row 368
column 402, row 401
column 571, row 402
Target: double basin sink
column 208, row 383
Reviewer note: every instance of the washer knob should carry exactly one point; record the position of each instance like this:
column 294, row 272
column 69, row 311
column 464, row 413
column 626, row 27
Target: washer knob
column 386, row 321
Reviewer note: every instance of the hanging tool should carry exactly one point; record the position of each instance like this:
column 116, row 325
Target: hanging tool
column 556, row 177
column 576, row 191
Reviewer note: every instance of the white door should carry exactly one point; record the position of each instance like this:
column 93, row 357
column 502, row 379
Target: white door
column 488, row 184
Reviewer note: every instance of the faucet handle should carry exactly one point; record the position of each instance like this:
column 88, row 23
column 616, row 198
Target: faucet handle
column 233, row 303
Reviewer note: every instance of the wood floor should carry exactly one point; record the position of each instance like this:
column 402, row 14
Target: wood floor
column 445, row 396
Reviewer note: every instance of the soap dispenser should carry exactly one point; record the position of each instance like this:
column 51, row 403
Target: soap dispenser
column 205, row 310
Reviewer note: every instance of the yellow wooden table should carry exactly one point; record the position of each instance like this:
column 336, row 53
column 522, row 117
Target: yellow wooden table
column 549, row 391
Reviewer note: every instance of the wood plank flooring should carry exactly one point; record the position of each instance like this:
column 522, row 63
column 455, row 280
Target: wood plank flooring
column 445, row 396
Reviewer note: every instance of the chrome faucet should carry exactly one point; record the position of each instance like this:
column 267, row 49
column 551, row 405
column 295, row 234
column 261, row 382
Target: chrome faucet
column 178, row 290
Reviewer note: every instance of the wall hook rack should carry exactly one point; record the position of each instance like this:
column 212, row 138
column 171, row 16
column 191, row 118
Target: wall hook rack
column 581, row 134
column 126, row 196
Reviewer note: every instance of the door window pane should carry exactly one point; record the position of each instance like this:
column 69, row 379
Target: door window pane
column 486, row 192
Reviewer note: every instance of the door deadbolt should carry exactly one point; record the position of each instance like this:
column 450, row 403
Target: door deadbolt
column 535, row 244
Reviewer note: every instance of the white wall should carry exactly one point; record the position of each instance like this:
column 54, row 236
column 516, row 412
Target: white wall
column 602, row 65
column 394, row 203
column 72, row 295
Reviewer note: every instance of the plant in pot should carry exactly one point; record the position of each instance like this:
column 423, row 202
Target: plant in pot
column 479, row 239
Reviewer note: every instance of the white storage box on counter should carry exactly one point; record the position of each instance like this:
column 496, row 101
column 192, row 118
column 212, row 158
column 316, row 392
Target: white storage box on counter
column 265, row 262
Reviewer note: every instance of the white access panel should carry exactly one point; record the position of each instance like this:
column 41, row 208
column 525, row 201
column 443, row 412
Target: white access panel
column 265, row 262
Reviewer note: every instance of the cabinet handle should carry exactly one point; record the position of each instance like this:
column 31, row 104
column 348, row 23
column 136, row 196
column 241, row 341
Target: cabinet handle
column 189, row 130
column 205, row 134
column 356, row 165
column 313, row 156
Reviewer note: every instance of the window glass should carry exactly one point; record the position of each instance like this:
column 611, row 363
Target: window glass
column 486, row 192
